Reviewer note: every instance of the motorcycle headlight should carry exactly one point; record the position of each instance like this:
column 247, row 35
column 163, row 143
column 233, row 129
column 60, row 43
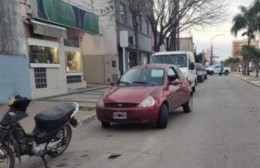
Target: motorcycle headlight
column 147, row 102
column 100, row 102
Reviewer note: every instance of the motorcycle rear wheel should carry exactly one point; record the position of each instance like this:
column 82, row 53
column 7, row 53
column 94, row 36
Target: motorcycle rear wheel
column 66, row 137
column 6, row 155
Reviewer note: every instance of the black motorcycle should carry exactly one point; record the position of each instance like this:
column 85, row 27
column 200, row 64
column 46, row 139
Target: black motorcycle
column 51, row 135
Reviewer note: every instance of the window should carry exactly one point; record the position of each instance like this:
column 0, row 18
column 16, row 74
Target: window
column 74, row 79
column 171, row 75
column 73, row 61
column 143, row 76
column 40, row 78
column 40, row 54
column 72, row 41
column 122, row 13
column 179, row 60
column 171, row 72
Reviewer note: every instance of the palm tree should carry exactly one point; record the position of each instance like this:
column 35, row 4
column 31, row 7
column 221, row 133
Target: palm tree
column 246, row 21
column 251, row 52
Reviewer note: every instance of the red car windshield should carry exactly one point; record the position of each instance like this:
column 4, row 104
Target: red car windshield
column 143, row 76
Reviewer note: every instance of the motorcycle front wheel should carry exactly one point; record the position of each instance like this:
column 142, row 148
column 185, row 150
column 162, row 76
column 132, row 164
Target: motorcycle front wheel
column 65, row 136
column 7, row 159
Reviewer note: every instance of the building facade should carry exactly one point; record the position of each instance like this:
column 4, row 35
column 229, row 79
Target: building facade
column 43, row 53
column 124, row 22
column 108, row 64
column 186, row 44
column 238, row 44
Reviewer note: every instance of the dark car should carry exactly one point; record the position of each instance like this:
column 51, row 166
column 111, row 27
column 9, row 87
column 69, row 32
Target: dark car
column 199, row 72
column 205, row 73
column 145, row 94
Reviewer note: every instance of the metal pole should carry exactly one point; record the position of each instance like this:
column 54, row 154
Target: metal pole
column 124, row 63
column 211, row 45
column 211, row 55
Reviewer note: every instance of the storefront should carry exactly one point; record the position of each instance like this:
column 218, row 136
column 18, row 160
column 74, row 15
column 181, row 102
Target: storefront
column 54, row 46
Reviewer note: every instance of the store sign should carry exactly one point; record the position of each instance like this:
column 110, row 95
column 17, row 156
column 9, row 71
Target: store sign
column 65, row 14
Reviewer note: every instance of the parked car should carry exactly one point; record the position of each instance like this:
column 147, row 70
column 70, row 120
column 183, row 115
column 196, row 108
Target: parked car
column 199, row 72
column 205, row 73
column 185, row 60
column 218, row 69
column 145, row 94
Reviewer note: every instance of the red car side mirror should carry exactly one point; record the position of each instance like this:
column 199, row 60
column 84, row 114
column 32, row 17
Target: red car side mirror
column 175, row 82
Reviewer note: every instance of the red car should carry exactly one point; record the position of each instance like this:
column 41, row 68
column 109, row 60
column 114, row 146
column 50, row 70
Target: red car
column 145, row 94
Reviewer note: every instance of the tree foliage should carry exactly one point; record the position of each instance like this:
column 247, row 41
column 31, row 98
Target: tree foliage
column 231, row 61
column 247, row 21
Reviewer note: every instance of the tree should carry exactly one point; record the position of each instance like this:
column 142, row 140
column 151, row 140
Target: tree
column 231, row 61
column 252, row 53
column 248, row 22
column 167, row 16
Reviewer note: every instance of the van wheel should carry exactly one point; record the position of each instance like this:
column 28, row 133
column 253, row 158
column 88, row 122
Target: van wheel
column 163, row 117
column 211, row 73
column 193, row 89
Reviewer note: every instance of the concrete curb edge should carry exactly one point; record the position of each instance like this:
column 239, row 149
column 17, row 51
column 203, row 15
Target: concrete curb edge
column 252, row 83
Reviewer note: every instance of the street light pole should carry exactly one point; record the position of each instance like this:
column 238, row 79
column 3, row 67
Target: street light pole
column 211, row 48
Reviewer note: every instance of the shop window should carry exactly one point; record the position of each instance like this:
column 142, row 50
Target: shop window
column 43, row 55
column 73, row 62
column 74, row 79
column 40, row 78
column 72, row 41
column 122, row 13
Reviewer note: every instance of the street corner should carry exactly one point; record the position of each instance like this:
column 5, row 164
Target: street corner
column 87, row 113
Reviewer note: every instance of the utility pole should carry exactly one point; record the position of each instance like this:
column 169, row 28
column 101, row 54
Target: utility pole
column 176, row 31
column 211, row 47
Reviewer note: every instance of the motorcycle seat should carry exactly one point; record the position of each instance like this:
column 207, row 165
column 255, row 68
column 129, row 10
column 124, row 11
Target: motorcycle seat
column 56, row 114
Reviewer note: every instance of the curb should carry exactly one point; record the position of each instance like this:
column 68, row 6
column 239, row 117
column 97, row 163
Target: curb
column 71, row 93
column 86, row 120
column 252, row 83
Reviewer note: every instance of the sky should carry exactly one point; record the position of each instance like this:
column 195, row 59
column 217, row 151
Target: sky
column 222, row 43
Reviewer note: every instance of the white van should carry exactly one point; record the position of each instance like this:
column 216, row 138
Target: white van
column 185, row 60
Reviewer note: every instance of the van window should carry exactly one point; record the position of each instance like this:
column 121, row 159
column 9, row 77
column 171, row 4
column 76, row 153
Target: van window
column 179, row 60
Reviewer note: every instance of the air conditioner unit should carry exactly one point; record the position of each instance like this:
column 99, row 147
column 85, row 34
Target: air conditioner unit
column 29, row 12
column 131, row 40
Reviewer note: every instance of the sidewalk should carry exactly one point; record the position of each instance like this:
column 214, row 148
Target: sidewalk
column 86, row 98
column 250, row 79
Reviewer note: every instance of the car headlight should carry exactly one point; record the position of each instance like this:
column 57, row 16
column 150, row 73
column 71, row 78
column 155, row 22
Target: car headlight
column 148, row 102
column 100, row 102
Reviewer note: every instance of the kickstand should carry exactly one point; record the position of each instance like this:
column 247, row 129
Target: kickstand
column 44, row 161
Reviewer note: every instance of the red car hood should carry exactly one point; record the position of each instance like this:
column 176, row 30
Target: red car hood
column 133, row 94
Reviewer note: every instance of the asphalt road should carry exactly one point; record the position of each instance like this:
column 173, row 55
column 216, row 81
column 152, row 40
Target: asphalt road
column 223, row 131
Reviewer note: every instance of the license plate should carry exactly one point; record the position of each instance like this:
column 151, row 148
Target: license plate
column 119, row 115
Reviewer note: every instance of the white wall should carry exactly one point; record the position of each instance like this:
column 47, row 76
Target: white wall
column 56, row 79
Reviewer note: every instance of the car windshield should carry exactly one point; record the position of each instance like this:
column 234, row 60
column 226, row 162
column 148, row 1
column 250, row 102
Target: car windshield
column 179, row 60
column 142, row 76
column 198, row 67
